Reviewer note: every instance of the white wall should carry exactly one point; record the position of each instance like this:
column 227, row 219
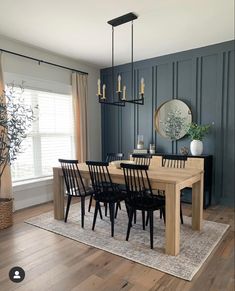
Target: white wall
column 58, row 80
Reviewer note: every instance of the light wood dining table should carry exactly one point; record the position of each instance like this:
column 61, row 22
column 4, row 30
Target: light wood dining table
column 170, row 180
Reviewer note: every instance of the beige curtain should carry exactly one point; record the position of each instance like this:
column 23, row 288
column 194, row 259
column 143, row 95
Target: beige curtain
column 5, row 183
column 79, row 92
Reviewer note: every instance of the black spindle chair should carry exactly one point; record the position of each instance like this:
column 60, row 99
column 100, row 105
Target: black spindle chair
column 142, row 159
column 104, row 190
column 110, row 157
column 169, row 161
column 74, row 185
column 175, row 162
column 140, row 196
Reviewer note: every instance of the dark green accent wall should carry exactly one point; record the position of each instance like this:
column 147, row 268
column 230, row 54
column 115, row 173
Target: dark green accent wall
column 204, row 79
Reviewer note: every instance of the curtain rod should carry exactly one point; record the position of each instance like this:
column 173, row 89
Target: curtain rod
column 42, row 61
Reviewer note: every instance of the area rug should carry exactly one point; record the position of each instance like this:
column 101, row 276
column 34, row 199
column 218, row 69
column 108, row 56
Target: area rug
column 195, row 246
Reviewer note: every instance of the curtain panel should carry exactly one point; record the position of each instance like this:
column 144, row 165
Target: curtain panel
column 79, row 93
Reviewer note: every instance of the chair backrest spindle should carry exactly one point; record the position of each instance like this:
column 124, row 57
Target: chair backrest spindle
column 72, row 177
column 173, row 162
column 137, row 180
column 142, row 159
column 100, row 177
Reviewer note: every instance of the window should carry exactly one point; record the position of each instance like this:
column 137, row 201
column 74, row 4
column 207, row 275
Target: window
column 50, row 138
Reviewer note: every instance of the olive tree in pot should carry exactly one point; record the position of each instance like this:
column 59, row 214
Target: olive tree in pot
column 16, row 119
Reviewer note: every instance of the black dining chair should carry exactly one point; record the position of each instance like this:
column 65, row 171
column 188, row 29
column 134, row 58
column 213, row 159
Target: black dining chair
column 140, row 196
column 105, row 190
column 74, row 186
column 110, row 157
column 142, row 159
column 169, row 161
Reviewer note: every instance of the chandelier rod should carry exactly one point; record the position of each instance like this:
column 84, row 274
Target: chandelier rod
column 132, row 63
column 113, row 63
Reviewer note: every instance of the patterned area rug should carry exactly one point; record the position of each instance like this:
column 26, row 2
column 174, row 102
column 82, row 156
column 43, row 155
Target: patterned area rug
column 195, row 246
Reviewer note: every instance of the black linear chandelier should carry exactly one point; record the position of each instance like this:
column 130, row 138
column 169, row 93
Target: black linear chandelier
column 120, row 98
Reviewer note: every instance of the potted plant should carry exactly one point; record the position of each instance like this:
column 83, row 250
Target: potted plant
column 197, row 133
column 16, row 118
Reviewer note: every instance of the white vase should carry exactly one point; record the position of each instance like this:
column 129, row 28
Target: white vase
column 196, row 147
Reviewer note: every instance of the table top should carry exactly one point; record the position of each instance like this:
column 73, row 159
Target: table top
column 156, row 174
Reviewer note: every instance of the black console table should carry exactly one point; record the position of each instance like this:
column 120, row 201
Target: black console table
column 204, row 161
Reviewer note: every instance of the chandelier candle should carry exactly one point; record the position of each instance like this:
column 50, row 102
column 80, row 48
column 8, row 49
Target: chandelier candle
column 104, row 87
column 119, row 83
column 124, row 93
column 98, row 84
column 142, row 86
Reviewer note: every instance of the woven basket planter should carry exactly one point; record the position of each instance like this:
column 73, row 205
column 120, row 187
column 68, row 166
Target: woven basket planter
column 6, row 213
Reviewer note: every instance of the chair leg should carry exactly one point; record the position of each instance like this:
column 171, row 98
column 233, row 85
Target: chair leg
column 90, row 202
column 164, row 214
column 143, row 219
column 119, row 205
column 100, row 212
column 151, row 228
column 111, row 210
column 134, row 216
column 161, row 213
column 67, row 208
column 82, row 210
column 106, row 209
column 147, row 219
column 127, row 209
column 116, row 210
column 181, row 214
column 95, row 214
column 131, row 212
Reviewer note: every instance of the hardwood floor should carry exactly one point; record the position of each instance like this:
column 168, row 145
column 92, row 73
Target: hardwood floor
column 52, row 262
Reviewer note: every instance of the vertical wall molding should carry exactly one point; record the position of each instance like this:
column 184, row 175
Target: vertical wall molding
column 199, row 89
column 155, row 96
column 204, row 79
column 153, row 103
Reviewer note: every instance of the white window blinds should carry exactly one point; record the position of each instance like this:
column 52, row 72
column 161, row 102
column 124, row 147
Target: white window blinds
column 50, row 138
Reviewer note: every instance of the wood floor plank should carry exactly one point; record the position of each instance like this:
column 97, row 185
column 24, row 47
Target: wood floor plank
column 53, row 262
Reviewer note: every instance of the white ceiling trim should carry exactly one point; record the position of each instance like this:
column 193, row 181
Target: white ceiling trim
column 79, row 29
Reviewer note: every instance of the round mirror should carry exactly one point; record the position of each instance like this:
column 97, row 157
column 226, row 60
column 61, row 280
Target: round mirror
column 172, row 119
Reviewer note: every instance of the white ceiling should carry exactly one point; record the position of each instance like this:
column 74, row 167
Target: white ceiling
column 79, row 29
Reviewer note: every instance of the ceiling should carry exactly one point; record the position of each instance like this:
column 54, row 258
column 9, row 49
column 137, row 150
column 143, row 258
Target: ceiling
column 79, row 29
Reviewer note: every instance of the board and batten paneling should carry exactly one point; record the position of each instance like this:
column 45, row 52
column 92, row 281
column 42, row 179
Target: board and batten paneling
column 204, row 79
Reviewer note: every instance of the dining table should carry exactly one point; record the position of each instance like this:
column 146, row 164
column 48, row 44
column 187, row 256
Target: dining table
column 170, row 180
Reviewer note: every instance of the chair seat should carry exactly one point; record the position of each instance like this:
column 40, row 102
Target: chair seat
column 110, row 196
column 75, row 192
column 121, row 187
column 146, row 203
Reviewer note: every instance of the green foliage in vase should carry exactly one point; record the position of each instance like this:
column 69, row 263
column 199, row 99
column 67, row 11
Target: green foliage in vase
column 197, row 132
column 16, row 119
column 174, row 124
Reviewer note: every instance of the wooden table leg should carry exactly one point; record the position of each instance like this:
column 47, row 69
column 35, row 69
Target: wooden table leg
column 197, row 204
column 172, row 196
column 58, row 190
